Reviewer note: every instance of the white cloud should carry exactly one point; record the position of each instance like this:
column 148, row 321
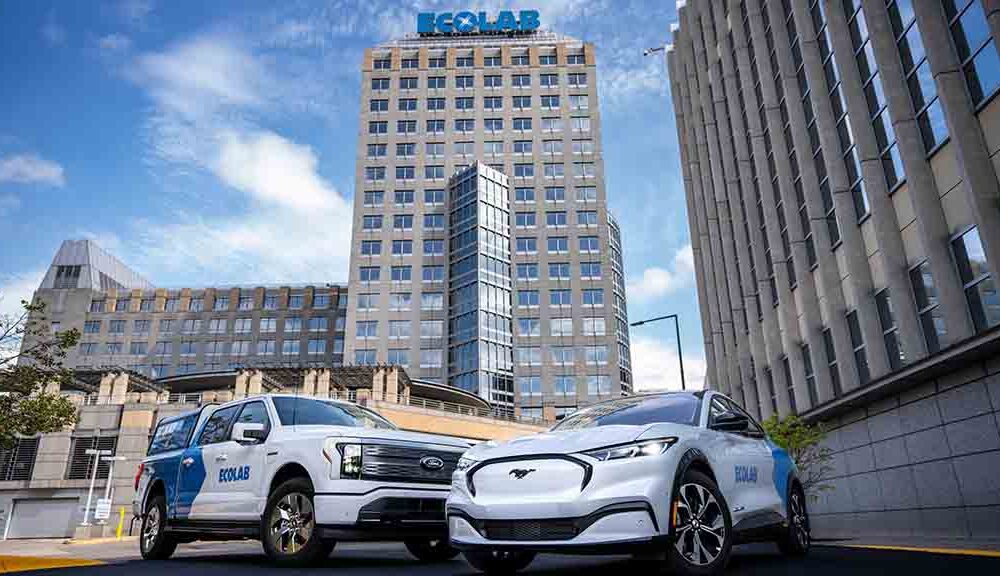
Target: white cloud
column 17, row 287
column 114, row 43
column 31, row 169
column 52, row 31
column 656, row 282
column 135, row 12
column 655, row 366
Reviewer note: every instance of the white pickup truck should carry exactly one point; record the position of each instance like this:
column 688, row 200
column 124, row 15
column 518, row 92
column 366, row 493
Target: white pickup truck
column 298, row 474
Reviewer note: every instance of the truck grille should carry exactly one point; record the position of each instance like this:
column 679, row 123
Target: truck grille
column 395, row 463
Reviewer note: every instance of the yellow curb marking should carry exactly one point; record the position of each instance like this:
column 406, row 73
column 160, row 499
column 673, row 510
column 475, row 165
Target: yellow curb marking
column 23, row 563
column 90, row 541
column 950, row 551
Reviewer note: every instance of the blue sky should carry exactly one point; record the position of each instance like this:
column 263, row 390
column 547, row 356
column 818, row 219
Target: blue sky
column 214, row 142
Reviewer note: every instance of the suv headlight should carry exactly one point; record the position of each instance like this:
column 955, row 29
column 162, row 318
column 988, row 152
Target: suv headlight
column 634, row 450
column 350, row 461
column 464, row 464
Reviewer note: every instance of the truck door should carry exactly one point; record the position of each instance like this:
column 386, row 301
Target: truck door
column 197, row 493
column 240, row 474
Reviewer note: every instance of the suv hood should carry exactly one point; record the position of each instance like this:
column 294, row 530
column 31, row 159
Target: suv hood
column 561, row 442
column 374, row 435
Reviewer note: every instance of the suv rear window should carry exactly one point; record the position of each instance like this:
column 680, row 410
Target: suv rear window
column 172, row 435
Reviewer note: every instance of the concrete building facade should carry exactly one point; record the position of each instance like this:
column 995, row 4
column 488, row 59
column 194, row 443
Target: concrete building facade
column 840, row 162
column 526, row 105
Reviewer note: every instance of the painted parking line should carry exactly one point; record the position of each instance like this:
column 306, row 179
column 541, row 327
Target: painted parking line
column 24, row 563
column 949, row 551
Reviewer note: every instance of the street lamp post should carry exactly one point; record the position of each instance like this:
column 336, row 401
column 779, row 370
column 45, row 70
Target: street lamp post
column 677, row 332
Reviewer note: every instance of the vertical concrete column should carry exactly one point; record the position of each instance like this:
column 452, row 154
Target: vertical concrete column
column 702, row 106
column 678, row 84
column 106, row 386
column 713, row 336
column 392, row 384
column 309, row 383
column 992, row 9
column 323, row 382
column 119, row 387
column 853, row 247
column 926, row 203
column 378, row 384
column 979, row 180
column 883, row 213
column 727, row 204
column 255, row 383
column 240, row 390
column 52, row 458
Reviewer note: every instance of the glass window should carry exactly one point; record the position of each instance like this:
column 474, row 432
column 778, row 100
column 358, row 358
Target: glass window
column 980, row 289
column 216, row 429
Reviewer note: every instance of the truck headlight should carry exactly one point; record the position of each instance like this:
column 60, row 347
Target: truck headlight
column 350, row 461
column 634, row 450
column 464, row 464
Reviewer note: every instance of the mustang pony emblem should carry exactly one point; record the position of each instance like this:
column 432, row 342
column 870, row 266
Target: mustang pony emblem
column 519, row 473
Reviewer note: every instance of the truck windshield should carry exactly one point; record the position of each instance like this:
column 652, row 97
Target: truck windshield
column 308, row 411
column 636, row 411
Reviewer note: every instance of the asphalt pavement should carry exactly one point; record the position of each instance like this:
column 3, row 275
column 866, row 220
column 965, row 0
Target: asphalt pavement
column 246, row 558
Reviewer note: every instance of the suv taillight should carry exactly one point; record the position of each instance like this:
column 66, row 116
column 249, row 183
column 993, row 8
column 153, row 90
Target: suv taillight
column 138, row 475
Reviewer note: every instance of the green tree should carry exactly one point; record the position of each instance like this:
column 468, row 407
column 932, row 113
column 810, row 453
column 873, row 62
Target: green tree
column 803, row 442
column 31, row 357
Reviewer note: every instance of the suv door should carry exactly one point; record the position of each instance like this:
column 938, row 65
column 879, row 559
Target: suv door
column 766, row 495
column 742, row 463
column 198, row 487
column 240, row 474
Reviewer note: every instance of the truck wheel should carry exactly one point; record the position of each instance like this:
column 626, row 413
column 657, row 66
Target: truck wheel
column 431, row 550
column 288, row 527
column 499, row 561
column 702, row 527
column 154, row 542
column 795, row 540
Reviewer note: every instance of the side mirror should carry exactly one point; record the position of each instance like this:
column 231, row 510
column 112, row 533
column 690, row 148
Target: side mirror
column 248, row 432
column 731, row 422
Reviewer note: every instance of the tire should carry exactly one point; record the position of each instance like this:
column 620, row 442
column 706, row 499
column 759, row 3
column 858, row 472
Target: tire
column 431, row 550
column 795, row 540
column 703, row 533
column 288, row 530
column 154, row 542
column 499, row 561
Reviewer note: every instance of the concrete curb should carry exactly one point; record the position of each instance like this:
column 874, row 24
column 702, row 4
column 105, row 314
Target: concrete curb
column 928, row 550
column 108, row 540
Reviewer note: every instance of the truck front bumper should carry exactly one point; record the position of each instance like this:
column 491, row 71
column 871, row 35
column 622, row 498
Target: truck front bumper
column 385, row 513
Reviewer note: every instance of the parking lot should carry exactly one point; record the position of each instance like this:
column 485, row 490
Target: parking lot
column 388, row 559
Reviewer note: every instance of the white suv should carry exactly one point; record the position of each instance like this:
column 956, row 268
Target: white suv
column 298, row 474
column 680, row 475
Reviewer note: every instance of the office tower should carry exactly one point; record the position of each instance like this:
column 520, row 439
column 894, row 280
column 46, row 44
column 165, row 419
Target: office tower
column 524, row 104
column 840, row 161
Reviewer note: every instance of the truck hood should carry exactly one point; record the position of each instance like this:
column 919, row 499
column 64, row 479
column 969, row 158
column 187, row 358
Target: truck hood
column 571, row 441
column 367, row 435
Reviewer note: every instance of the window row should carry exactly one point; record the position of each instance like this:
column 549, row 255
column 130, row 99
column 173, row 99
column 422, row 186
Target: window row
column 492, row 81
column 490, row 125
column 220, row 303
column 375, row 151
column 212, row 326
column 492, row 103
column 467, row 60
column 209, row 348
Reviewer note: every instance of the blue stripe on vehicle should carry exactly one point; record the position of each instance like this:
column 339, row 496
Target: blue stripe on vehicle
column 190, row 480
column 783, row 469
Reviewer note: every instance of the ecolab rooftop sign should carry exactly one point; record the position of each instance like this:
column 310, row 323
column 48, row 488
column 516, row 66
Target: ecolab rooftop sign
column 429, row 23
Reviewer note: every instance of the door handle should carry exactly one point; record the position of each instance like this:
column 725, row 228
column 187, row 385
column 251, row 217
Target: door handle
column 187, row 462
column 221, row 458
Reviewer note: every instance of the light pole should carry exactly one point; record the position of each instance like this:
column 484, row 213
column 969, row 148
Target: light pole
column 677, row 332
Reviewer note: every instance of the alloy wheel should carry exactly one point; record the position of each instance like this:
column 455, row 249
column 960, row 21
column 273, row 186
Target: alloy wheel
column 152, row 527
column 700, row 525
column 291, row 523
column 800, row 523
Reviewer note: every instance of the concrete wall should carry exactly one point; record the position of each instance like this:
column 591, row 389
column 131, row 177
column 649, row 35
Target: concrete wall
column 922, row 463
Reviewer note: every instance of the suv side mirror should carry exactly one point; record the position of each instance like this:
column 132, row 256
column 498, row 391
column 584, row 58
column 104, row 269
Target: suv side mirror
column 248, row 432
column 731, row 422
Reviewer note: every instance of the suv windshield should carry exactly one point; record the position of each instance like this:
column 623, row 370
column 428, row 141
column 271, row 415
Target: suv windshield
column 306, row 411
column 636, row 411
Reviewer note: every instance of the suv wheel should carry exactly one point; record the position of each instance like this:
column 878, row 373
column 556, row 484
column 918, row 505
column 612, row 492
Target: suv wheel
column 499, row 561
column 431, row 550
column 702, row 527
column 795, row 541
column 288, row 527
column 154, row 542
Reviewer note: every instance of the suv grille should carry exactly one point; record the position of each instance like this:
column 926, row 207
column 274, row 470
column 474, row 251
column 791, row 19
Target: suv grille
column 529, row 530
column 396, row 463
